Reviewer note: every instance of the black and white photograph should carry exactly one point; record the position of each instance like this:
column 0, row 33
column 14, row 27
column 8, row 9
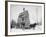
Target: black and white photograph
column 25, row 18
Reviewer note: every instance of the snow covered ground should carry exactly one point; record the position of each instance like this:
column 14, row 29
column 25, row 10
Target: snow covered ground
column 38, row 29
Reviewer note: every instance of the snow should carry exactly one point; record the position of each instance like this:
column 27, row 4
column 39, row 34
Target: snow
column 38, row 29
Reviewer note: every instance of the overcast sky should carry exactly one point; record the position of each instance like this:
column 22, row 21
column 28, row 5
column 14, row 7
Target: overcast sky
column 35, row 12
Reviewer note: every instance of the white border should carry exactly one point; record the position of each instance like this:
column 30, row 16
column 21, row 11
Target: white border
column 11, row 33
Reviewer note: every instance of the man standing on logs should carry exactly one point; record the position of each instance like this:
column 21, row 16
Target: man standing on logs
column 23, row 19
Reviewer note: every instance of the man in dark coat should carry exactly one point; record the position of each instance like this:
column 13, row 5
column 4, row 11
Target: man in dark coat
column 23, row 18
